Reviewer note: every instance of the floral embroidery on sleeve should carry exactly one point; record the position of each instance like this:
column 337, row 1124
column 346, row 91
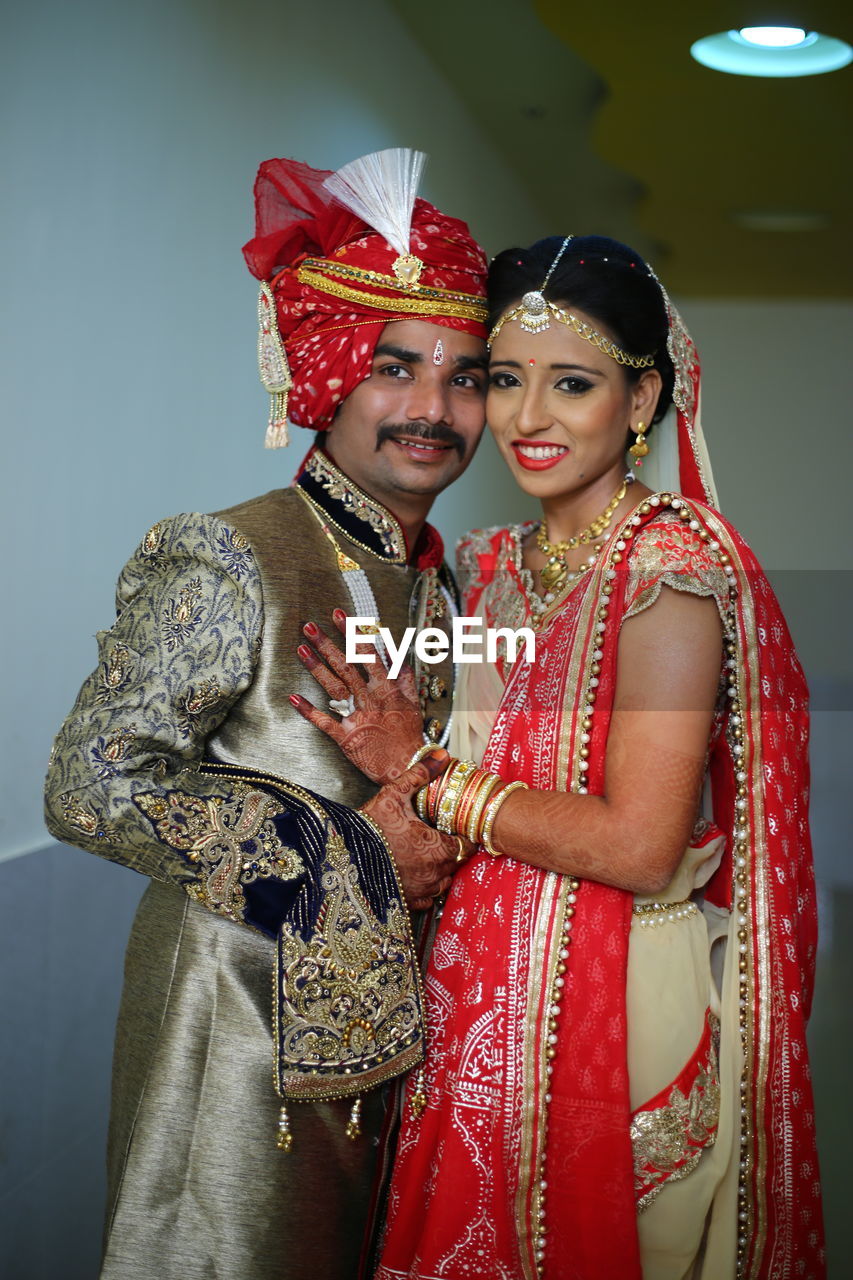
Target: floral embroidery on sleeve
column 667, row 552
column 182, row 650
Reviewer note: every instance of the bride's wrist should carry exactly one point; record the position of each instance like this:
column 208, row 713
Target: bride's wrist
column 464, row 801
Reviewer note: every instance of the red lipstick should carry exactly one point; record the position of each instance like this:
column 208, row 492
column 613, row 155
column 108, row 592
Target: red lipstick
column 542, row 462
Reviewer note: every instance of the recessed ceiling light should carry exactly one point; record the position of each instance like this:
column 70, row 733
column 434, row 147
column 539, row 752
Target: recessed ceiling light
column 773, row 37
column 772, row 51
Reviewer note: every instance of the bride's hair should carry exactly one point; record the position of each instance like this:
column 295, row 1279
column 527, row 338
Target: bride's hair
column 607, row 281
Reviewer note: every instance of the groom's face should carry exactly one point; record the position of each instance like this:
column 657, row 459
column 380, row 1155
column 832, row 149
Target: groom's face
column 411, row 427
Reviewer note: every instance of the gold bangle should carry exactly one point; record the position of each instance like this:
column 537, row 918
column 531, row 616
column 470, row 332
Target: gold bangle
column 446, row 807
column 436, row 789
column 487, row 790
column 467, row 798
column 434, row 792
column 492, row 810
column 421, row 794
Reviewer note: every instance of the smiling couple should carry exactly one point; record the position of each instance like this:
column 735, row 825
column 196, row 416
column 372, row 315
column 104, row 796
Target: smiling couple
column 585, row 1095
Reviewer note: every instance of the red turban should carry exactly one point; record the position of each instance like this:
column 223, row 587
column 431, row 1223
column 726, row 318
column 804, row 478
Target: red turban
column 336, row 282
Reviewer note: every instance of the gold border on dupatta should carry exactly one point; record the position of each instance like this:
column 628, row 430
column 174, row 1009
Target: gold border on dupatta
column 546, row 936
column 755, row 1030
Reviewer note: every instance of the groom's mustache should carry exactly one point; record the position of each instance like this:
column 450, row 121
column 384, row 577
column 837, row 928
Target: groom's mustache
column 438, row 432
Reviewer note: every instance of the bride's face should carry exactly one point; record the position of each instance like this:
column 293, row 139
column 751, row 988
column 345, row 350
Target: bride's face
column 560, row 409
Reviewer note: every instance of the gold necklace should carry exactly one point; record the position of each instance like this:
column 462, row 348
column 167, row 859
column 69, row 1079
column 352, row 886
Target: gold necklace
column 538, row 604
column 555, row 571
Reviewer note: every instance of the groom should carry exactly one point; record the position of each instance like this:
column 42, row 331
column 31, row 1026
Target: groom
column 184, row 759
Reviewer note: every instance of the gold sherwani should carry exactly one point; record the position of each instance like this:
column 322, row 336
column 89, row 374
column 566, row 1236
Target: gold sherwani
column 200, row 664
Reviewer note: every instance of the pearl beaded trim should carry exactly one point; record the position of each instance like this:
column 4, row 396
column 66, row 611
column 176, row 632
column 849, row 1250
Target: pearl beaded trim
column 557, row 988
column 659, row 913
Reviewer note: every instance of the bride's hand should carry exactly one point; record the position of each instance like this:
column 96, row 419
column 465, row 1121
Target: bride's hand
column 385, row 726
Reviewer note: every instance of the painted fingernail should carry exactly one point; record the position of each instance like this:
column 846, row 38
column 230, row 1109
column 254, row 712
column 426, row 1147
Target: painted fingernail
column 339, row 615
column 310, row 629
column 439, row 754
column 295, row 700
column 305, row 653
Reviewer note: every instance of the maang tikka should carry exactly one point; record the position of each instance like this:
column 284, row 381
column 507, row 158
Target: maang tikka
column 534, row 314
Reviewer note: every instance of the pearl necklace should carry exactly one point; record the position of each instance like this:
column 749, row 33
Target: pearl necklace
column 556, row 572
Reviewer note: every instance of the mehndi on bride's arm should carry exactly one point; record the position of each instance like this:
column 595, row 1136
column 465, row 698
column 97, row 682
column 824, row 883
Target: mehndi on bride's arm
column 634, row 835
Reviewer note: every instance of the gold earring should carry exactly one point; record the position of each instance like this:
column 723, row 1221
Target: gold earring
column 639, row 448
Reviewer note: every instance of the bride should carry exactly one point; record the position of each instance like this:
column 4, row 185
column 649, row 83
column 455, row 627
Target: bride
column 616, row 1082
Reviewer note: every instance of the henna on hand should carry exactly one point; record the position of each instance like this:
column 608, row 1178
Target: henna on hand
column 385, row 728
column 425, row 859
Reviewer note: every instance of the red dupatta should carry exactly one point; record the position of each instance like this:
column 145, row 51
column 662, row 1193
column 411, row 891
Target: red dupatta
column 515, row 1170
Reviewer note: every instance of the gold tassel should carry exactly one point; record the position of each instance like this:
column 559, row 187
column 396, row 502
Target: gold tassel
column 274, row 369
column 354, row 1122
column 277, row 437
column 284, row 1141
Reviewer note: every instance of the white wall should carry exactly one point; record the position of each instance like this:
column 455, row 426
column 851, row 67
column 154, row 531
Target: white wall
column 776, row 412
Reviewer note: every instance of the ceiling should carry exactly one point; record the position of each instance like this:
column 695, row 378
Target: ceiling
column 612, row 127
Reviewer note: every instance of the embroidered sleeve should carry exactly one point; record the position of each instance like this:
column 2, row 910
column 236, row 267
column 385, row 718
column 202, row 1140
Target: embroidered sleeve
column 668, row 553
column 128, row 780
column 123, row 779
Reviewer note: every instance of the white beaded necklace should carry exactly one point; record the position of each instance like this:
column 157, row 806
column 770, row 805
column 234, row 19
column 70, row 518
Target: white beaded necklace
column 364, row 604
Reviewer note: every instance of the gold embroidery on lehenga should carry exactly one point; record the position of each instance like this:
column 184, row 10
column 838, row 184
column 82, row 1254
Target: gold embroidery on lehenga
column 668, row 1140
column 85, row 818
column 348, row 1001
column 231, row 843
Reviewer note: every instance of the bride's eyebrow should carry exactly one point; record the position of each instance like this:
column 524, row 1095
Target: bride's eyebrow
column 582, row 368
column 518, row 364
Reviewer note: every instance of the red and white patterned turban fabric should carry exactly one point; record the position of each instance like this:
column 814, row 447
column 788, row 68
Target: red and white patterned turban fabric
column 319, row 258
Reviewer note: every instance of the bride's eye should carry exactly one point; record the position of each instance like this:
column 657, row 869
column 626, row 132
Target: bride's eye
column 574, row 385
column 503, row 380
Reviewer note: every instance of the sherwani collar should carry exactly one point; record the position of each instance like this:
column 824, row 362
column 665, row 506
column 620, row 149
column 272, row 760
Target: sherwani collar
column 361, row 518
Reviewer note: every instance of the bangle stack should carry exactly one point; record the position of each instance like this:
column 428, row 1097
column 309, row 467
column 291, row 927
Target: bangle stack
column 465, row 801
